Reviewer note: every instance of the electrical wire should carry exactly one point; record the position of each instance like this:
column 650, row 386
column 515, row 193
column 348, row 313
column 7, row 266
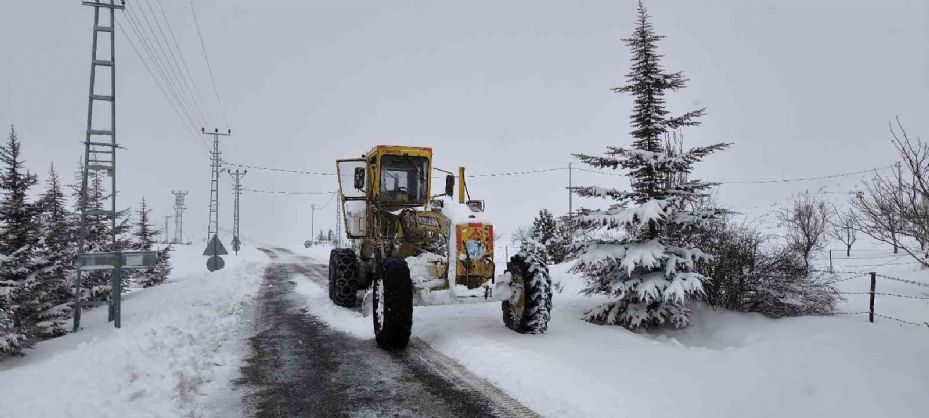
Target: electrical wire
column 165, row 82
column 282, row 170
column 831, row 176
column 284, row 192
column 158, row 83
column 172, row 55
column 209, row 67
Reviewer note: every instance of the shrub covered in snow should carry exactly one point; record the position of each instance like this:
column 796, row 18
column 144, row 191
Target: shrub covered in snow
column 750, row 273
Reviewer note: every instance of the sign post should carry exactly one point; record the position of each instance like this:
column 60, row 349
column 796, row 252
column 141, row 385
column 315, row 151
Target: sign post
column 116, row 262
column 214, row 250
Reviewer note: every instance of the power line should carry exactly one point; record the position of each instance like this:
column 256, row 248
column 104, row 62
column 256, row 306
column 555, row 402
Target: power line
column 551, row 169
column 184, row 61
column 172, row 55
column 209, row 67
column 158, row 83
column 282, row 170
column 831, row 176
column 142, row 26
column 284, row 192
column 164, row 82
column 518, row 173
column 171, row 62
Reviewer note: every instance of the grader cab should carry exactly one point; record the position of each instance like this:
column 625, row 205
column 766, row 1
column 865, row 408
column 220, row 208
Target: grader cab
column 413, row 246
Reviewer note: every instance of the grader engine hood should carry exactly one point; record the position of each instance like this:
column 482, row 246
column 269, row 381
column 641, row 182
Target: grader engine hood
column 475, row 254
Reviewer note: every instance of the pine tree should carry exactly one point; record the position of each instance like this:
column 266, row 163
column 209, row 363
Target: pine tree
column 162, row 269
column 145, row 234
column 96, row 231
column 18, row 239
column 53, row 261
column 545, row 232
column 641, row 258
column 11, row 338
column 19, row 232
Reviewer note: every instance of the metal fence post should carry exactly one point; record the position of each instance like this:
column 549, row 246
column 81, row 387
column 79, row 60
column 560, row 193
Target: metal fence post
column 873, row 286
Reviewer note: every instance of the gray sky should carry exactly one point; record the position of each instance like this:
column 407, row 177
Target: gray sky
column 803, row 88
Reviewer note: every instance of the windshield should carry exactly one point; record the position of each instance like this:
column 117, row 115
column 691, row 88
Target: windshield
column 403, row 179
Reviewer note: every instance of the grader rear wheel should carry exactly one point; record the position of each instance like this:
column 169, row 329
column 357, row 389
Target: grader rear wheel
column 529, row 310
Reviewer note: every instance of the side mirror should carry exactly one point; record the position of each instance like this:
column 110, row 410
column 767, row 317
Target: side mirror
column 475, row 205
column 359, row 178
column 449, row 185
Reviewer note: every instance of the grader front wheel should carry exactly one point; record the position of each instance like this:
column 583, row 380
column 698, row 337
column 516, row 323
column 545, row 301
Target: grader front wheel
column 529, row 310
column 343, row 277
column 393, row 305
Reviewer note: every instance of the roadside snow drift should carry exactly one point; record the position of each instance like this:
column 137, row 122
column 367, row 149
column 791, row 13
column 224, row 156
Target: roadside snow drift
column 178, row 341
column 725, row 365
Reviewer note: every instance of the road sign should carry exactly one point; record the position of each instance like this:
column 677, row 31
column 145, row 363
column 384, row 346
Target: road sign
column 215, row 247
column 107, row 260
column 215, row 263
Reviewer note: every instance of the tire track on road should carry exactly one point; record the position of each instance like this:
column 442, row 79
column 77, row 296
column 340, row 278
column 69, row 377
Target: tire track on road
column 301, row 367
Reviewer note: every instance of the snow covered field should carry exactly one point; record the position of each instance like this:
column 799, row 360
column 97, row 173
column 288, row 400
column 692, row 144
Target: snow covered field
column 726, row 365
column 177, row 350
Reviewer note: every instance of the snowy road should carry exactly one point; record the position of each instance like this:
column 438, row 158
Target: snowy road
column 299, row 367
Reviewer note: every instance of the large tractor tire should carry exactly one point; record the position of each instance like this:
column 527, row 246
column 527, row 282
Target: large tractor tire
column 393, row 305
column 343, row 277
column 529, row 310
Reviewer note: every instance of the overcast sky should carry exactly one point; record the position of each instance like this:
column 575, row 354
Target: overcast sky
column 803, row 88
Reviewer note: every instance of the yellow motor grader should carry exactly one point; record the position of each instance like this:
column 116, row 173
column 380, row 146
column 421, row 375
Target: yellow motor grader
column 410, row 247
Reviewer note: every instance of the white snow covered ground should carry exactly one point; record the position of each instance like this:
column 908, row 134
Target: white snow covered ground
column 177, row 351
column 725, row 365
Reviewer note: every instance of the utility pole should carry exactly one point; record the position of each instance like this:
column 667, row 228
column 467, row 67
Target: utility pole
column 215, row 163
column 313, row 222
column 100, row 154
column 167, row 217
column 179, row 209
column 237, row 187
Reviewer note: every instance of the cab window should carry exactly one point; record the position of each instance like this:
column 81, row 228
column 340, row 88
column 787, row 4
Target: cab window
column 403, row 179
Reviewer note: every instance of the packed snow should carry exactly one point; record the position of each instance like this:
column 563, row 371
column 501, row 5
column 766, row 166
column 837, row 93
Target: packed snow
column 725, row 364
column 176, row 354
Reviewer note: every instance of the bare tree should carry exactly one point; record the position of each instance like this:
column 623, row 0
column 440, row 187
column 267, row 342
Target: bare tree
column 520, row 235
column 806, row 222
column 895, row 208
column 843, row 227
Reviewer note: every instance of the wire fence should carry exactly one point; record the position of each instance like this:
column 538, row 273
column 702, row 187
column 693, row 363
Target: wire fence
column 873, row 293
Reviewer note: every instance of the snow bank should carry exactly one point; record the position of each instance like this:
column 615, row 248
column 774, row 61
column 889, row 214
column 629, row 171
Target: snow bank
column 725, row 365
column 179, row 342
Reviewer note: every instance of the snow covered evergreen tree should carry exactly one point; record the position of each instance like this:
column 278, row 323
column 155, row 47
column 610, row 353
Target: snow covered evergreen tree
column 19, row 232
column 162, row 269
column 95, row 284
column 18, row 237
column 642, row 258
column 145, row 234
column 54, row 256
column 543, row 230
column 145, row 238
column 11, row 338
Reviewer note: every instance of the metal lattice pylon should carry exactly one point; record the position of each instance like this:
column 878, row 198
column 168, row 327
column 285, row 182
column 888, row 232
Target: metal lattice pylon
column 216, row 166
column 237, row 188
column 100, row 144
column 179, row 208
